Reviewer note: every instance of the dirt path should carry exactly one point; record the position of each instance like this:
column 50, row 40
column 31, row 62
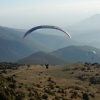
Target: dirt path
column 15, row 72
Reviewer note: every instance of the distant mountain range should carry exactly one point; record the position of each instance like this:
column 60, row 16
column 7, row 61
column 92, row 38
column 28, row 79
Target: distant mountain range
column 86, row 32
column 91, row 23
column 12, row 50
column 13, row 47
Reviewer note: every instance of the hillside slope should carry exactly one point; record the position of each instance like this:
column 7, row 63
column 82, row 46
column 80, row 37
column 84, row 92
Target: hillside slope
column 77, row 81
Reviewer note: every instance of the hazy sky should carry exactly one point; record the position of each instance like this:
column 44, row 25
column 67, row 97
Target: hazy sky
column 25, row 14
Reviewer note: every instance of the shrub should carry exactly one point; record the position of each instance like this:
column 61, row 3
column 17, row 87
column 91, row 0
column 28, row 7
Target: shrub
column 49, row 79
column 12, row 86
column 44, row 96
column 3, row 96
column 85, row 96
column 38, row 85
column 20, row 95
column 57, row 86
column 82, row 69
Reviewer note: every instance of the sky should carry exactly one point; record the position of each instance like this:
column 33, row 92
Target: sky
column 25, row 14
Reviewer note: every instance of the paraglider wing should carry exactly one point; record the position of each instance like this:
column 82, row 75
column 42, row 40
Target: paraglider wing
column 45, row 26
column 90, row 52
column 94, row 52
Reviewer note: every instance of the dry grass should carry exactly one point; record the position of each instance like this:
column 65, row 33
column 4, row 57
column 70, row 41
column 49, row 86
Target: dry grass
column 61, row 80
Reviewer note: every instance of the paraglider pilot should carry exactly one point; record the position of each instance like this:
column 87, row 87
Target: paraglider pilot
column 47, row 65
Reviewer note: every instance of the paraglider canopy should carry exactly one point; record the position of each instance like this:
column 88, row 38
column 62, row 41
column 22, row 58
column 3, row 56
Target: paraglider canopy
column 46, row 26
column 91, row 52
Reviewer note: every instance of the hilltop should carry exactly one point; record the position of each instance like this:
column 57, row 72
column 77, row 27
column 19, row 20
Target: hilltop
column 42, row 57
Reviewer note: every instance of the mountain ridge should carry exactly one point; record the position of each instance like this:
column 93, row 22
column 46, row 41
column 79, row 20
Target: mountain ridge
column 78, row 53
column 90, row 23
